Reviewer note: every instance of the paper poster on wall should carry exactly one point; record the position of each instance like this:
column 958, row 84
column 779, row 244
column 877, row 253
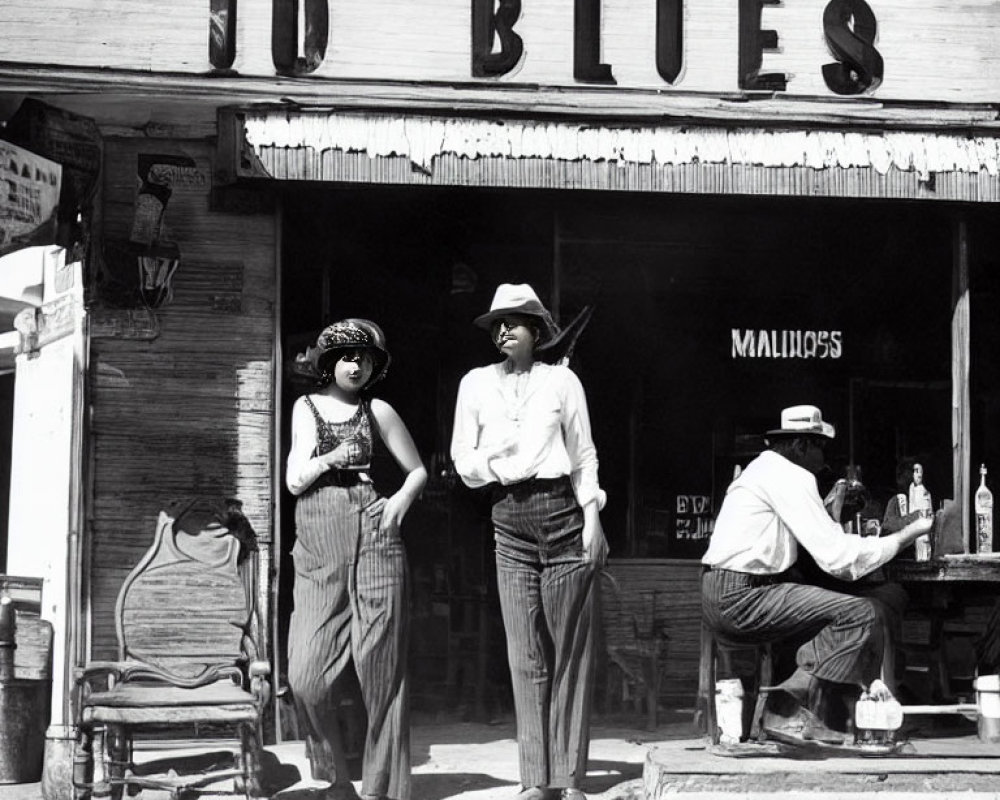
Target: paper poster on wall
column 29, row 198
column 694, row 519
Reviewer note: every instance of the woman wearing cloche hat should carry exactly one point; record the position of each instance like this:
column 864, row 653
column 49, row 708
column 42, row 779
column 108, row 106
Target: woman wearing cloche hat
column 351, row 580
column 522, row 427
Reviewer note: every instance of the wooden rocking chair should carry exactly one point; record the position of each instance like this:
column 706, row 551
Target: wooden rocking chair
column 188, row 654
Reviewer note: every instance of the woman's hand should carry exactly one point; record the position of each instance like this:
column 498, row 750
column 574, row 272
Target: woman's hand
column 595, row 545
column 392, row 510
column 342, row 455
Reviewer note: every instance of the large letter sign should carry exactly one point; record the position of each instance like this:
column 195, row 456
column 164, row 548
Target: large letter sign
column 587, row 64
column 485, row 63
column 859, row 66
column 285, row 36
column 669, row 38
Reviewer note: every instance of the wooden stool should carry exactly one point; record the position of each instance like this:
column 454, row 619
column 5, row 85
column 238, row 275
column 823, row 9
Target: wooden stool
column 705, row 714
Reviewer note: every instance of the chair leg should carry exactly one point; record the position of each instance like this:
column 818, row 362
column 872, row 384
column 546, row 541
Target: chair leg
column 250, row 782
column 765, row 671
column 83, row 764
column 101, row 761
column 119, row 750
column 707, row 681
column 650, row 677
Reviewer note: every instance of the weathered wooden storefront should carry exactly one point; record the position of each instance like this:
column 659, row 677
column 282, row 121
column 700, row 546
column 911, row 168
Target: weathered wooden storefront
column 766, row 204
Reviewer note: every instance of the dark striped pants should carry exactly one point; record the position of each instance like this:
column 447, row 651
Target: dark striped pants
column 548, row 597
column 351, row 601
column 845, row 637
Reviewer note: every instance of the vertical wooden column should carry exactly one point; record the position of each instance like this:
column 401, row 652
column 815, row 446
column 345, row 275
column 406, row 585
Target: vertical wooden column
column 555, row 295
column 270, row 573
column 960, row 410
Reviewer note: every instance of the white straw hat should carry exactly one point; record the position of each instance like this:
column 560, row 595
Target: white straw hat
column 799, row 420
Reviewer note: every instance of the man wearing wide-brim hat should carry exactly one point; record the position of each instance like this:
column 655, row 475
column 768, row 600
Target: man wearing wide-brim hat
column 750, row 593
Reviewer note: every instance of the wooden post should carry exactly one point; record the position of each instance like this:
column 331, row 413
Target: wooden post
column 960, row 410
column 633, row 509
column 555, row 299
column 271, row 576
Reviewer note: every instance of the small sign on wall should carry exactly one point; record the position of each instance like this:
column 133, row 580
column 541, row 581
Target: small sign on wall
column 693, row 519
column 29, row 200
column 693, row 522
column 760, row 343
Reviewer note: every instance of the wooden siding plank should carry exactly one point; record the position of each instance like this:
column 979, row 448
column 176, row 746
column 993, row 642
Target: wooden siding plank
column 399, row 41
column 189, row 412
column 675, row 587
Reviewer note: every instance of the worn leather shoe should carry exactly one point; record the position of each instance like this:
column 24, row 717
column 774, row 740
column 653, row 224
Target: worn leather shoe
column 800, row 728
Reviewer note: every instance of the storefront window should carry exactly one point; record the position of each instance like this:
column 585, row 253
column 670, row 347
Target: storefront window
column 711, row 315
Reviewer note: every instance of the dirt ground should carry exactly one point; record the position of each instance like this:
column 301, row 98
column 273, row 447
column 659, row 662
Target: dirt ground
column 475, row 761
column 478, row 761
column 450, row 761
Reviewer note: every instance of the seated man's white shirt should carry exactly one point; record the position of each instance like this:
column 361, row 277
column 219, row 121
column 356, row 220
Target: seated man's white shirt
column 774, row 507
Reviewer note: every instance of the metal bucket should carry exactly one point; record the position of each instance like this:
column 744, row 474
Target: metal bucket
column 22, row 730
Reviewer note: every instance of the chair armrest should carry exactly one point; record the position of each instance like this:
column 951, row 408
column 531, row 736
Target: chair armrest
column 260, row 686
column 109, row 671
column 259, row 669
column 98, row 676
column 210, row 674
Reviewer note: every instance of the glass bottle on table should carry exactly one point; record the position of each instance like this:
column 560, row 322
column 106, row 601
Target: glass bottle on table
column 984, row 514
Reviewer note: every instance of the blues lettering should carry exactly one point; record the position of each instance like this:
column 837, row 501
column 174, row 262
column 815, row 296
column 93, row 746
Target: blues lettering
column 669, row 38
column 285, row 36
column 753, row 43
column 485, row 26
column 859, row 67
column 222, row 34
column 587, row 64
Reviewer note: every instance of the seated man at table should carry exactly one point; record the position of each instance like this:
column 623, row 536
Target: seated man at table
column 751, row 593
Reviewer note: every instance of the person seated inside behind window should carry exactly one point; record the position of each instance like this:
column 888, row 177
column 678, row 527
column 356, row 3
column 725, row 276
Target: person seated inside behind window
column 750, row 592
column 912, row 500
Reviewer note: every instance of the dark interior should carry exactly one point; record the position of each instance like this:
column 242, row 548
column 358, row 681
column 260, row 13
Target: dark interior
column 676, row 282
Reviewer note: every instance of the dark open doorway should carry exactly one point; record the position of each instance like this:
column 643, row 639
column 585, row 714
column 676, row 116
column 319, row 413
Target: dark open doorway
column 676, row 393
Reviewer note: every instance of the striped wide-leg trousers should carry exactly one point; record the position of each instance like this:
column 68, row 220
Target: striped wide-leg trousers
column 844, row 635
column 351, row 601
column 548, row 598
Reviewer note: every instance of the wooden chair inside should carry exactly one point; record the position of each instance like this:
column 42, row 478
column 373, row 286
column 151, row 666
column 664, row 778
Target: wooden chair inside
column 636, row 648
column 188, row 657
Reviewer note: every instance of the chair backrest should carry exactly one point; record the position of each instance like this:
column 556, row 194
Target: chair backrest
column 187, row 605
column 629, row 616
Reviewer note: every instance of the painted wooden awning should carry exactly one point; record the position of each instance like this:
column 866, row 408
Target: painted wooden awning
column 353, row 147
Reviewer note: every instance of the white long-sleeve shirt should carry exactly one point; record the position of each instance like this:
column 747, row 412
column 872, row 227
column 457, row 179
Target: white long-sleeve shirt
column 546, row 416
column 774, row 507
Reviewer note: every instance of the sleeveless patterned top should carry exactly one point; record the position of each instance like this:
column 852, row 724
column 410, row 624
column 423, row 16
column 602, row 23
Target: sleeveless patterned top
column 357, row 429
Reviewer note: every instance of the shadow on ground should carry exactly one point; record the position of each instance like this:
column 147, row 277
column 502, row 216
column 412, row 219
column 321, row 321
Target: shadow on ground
column 443, row 785
column 610, row 774
column 277, row 775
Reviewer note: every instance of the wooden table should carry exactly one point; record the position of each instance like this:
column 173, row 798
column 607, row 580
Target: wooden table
column 941, row 582
column 968, row 568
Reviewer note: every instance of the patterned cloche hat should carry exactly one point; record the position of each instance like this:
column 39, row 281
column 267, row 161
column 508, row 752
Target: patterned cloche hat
column 351, row 334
